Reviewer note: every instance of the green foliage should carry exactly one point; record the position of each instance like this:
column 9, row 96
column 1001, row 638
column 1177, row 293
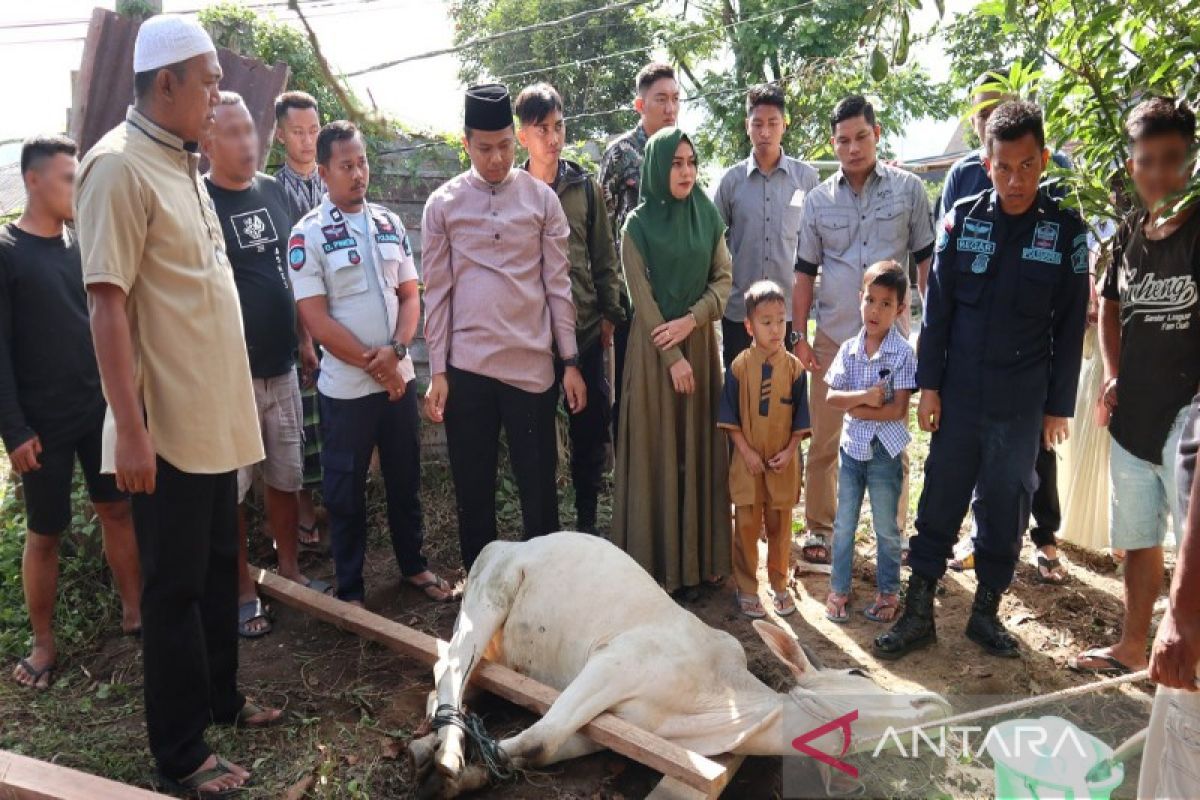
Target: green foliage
column 982, row 40
column 819, row 53
column 86, row 604
column 585, row 89
column 261, row 35
column 1103, row 57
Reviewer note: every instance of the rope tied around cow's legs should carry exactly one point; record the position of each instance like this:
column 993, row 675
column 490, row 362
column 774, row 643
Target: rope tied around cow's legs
column 480, row 745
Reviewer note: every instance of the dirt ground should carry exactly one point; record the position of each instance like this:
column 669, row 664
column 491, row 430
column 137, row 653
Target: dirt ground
column 353, row 705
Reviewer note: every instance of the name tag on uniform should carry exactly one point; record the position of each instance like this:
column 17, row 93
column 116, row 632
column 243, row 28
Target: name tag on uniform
column 976, row 237
column 1045, row 243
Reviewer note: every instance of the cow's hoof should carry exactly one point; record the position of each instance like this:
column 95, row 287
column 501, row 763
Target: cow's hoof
column 421, row 753
column 450, row 760
column 473, row 776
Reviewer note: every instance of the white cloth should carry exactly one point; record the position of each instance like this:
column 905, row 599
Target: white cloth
column 167, row 39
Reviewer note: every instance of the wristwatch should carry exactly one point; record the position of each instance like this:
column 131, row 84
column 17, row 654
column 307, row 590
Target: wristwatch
column 400, row 350
column 793, row 338
column 573, row 361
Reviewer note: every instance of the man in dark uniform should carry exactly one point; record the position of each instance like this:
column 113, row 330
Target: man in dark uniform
column 999, row 354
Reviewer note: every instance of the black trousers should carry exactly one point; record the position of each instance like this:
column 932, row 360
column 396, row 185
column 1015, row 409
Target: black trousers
column 589, row 437
column 187, row 541
column 476, row 410
column 1047, row 513
column 350, row 431
column 620, row 345
column 735, row 339
column 995, row 459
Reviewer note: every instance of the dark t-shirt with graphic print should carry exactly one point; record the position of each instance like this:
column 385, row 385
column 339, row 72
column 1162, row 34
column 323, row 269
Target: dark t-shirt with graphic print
column 256, row 223
column 1156, row 283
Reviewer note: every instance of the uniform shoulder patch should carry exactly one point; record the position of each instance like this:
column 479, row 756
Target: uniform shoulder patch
column 1079, row 253
column 296, row 252
column 945, row 227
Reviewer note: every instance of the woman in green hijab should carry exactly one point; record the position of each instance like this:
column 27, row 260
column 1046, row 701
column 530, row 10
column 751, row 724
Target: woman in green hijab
column 671, row 504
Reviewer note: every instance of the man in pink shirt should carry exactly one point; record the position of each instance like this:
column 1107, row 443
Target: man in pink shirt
column 497, row 308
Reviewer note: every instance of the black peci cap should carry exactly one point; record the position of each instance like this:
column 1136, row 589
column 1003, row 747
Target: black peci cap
column 488, row 108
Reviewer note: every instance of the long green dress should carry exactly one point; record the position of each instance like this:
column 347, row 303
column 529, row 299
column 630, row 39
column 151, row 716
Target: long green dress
column 671, row 505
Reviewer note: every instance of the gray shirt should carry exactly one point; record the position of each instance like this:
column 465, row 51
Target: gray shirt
column 356, row 261
column 763, row 214
column 843, row 233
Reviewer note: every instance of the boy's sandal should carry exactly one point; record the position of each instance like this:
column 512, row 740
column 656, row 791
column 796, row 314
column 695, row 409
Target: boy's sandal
column 784, row 605
column 249, row 711
column 318, row 585
column 190, row 786
column 836, row 607
column 883, row 609
column 815, row 549
column 749, row 605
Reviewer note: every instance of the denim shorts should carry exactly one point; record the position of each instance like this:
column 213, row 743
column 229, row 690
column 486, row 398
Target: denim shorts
column 1143, row 494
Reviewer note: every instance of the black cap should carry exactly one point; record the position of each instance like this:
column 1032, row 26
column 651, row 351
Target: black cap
column 488, row 108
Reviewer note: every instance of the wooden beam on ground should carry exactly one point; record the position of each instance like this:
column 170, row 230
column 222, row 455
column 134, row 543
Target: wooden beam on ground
column 689, row 769
column 24, row 778
column 673, row 789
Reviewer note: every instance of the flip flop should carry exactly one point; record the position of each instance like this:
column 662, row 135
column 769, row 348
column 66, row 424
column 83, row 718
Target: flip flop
column 882, row 602
column 440, row 585
column 749, row 605
column 249, row 710
column 315, row 546
column 1114, row 667
column 1050, row 564
column 37, row 674
column 317, row 585
column 835, row 601
column 249, row 612
column 190, row 786
column 784, row 605
column 815, row 549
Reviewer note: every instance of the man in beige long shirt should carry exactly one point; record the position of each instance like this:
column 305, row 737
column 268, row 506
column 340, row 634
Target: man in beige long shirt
column 182, row 420
column 497, row 303
column 863, row 213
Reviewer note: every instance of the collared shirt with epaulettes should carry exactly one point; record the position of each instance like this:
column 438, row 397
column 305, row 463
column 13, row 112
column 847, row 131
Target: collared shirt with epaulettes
column 1006, row 309
column 357, row 261
column 842, row 233
column 147, row 225
column 762, row 212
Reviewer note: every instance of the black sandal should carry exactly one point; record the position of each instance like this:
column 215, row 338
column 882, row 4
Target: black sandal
column 190, row 786
column 36, row 675
column 1050, row 564
column 815, row 549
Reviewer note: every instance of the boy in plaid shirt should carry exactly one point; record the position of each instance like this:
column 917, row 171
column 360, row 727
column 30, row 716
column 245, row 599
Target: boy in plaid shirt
column 872, row 378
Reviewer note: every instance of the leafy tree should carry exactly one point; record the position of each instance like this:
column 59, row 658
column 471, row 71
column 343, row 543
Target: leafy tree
column 1102, row 58
column 263, row 36
column 983, row 39
column 819, row 52
column 551, row 54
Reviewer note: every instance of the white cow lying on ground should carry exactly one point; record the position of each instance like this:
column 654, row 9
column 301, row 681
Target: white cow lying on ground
column 577, row 613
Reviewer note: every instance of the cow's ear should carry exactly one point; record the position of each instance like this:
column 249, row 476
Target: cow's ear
column 784, row 646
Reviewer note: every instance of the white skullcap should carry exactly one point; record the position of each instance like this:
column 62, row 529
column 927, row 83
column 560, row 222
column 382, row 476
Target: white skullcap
column 167, row 39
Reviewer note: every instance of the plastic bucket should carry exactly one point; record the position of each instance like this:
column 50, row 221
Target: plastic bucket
column 1048, row 759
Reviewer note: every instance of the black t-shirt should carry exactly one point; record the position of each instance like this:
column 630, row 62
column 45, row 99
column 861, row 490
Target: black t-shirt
column 49, row 382
column 1156, row 282
column 255, row 224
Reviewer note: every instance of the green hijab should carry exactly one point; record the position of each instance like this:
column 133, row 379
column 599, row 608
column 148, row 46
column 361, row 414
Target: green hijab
column 676, row 238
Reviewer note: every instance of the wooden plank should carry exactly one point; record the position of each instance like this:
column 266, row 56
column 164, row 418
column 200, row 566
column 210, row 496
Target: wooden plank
column 24, row 778
column 690, row 769
column 673, row 789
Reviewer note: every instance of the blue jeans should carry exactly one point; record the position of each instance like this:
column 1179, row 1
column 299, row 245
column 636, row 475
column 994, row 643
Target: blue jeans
column 882, row 476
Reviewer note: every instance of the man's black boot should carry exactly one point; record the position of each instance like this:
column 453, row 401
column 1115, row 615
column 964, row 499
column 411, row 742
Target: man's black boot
column 915, row 628
column 984, row 627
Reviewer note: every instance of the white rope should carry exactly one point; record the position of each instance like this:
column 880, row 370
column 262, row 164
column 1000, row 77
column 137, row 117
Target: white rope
column 1018, row 705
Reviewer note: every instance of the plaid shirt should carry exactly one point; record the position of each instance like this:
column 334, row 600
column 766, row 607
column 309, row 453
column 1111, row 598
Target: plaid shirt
column 853, row 370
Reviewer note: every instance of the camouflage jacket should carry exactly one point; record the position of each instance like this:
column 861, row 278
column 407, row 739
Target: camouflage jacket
column 620, row 176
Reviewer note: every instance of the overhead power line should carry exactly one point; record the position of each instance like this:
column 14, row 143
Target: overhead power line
column 500, row 36
column 687, row 37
